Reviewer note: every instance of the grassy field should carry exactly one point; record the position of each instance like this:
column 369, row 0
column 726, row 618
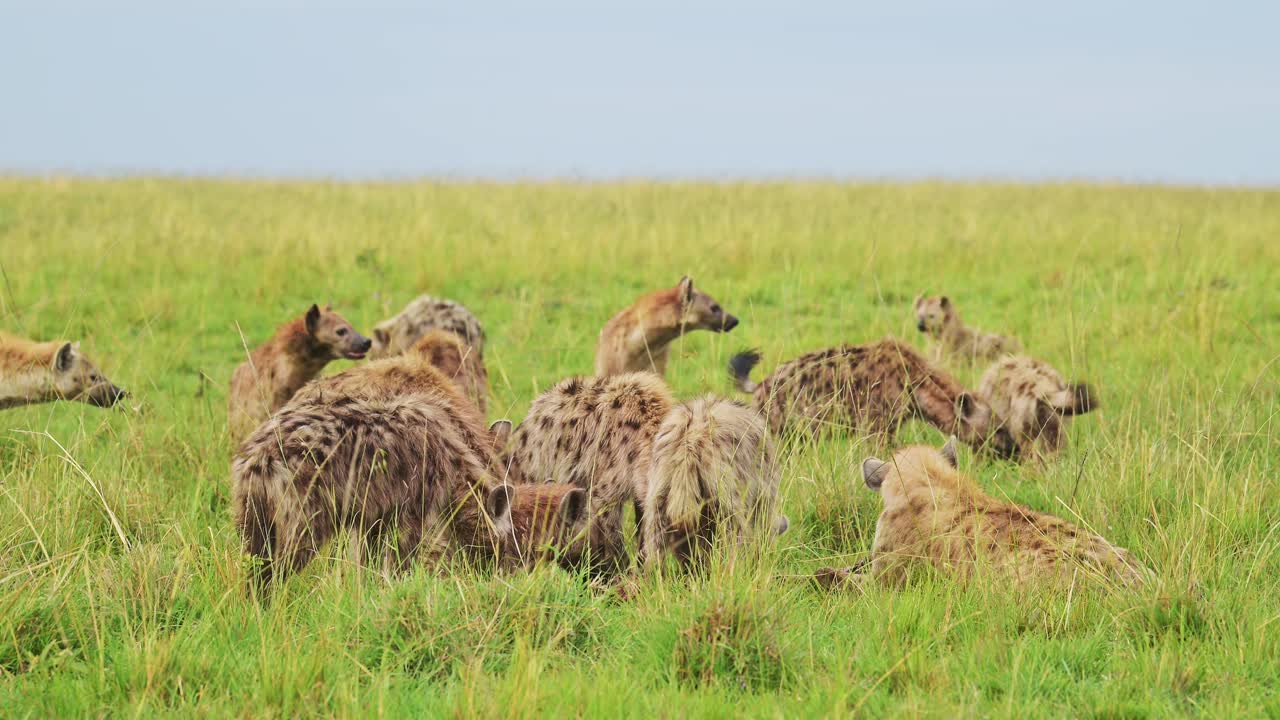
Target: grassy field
column 121, row 579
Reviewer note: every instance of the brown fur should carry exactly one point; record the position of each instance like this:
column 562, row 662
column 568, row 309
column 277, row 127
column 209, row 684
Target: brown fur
column 933, row 514
column 714, row 475
column 280, row 367
column 869, row 389
column 37, row 372
column 550, row 522
column 422, row 315
column 639, row 338
column 597, row 434
column 1035, row 402
column 408, row 467
column 457, row 361
column 937, row 317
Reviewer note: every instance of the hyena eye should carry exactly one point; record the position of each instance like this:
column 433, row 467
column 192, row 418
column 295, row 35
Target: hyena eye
column 342, row 332
column 715, row 307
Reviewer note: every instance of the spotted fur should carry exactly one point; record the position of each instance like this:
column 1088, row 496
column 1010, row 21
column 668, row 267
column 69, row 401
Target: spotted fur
column 639, row 338
column 869, row 389
column 424, row 314
column 37, row 372
column 1035, row 402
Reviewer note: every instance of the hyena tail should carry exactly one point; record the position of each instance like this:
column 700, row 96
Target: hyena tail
column 1077, row 399
column 740, row 366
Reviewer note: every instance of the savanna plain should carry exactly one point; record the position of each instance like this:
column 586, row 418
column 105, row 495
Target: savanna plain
column 122, row 581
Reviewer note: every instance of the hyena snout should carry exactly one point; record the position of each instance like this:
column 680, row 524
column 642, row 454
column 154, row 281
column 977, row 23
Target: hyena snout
column 728, row 323
column 356, row 346
column 107, row 396
column 920, row 325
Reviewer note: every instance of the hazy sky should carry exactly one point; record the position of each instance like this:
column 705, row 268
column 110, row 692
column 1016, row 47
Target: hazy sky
column 1165, row 91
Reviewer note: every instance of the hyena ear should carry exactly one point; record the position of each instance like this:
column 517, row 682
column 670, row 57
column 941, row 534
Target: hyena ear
column 966, row 405
column 312, row 320
column 949, row 451
column 573, row 508
column 945, row 302
column 382, row 336
column 684, row 289
column 919, row 300
column 874, row 471
column 65, row 358
column 497, row 504
column 500, row 434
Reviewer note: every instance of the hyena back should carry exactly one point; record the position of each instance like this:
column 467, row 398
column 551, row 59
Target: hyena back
column 37, row 372
column 870, row 389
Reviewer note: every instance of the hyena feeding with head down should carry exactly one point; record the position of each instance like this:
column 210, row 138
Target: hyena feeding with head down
column 415, row 470
column 713, row 478
column 869, row 389
column 639, row 338
column 1035, row 402
column 424, row 314
column 937, row 516
column 937, row 317
column 277, row 369
column 37, row 372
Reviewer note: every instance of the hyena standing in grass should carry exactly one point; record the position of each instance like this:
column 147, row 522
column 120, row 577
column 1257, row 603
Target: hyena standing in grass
column 1035, row 402
column 713, row 477
column 937, row 317
column 596, row 434
column 280, row 367
column 935, row 515
column 869, row 389
column 416, row 469
column 639, row 337
column 36, row 372
column 422, row 315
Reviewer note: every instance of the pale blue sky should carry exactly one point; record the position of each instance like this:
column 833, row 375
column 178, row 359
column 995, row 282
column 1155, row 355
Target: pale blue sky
column 1135, row 91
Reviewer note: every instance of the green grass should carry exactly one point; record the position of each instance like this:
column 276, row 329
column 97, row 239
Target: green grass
column 121, row 579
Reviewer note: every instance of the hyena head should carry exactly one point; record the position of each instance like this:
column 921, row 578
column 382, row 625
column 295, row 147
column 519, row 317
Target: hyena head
column 551, row 522
column 700, row 311
column 911, row 468
column 482, row 521
column 335, row 335
column 934, row 313
column 979, row 427
column 76, row 378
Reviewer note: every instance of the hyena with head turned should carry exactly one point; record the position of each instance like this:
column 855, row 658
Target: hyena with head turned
column 870, row 389
column 639, row 338
column 935, row 515
column 713, row 478
column 937, row 318
column 424, row 314
column 37, row 372
column 1035, row 402
column 596, row 434
column 278, row 368
column 407, row 469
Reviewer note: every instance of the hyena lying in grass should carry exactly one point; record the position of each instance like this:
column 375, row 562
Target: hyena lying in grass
column 713, row 478
column 37, row 372
column 639, row 337
column 937, row 317
column 596, row 434
column 390, row 449
column 422, row 315
column 280, row 367
column 1035, row 402
column 869, row 389
column 935, row 515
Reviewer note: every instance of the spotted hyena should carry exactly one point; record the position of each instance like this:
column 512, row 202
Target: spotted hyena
column 459, row 362
column 870, row 389
column 596, row 434
column 937, row 318
column 550, row 523
column 408, row 471
column 935, row 515
column 422, row 315
column 280, row 367
column 36, row 372
column 1035, row 402
column 714, row 474
column 639, row 337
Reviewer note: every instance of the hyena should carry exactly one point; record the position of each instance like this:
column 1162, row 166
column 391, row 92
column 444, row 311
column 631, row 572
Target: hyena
column 714, row 474
column 937, row 317
column 36, row 372
column 550, row 522
column 280, row 367
column 406, row 470
column 870, row 389
column 933, row 514
column 1035, row 402
column 426, row 313
column 458, row 361
column 596, row 434
column 639, row 337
